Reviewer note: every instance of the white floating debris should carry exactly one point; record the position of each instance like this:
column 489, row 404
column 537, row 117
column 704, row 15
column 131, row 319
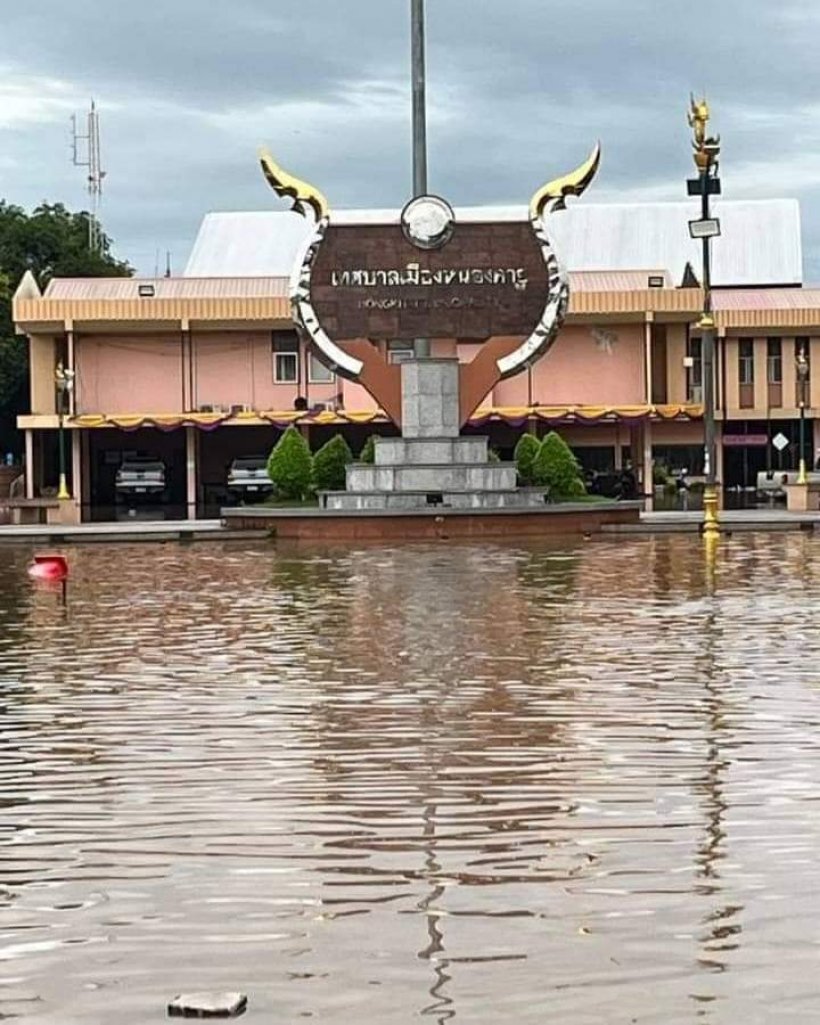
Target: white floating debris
column 207, row 1005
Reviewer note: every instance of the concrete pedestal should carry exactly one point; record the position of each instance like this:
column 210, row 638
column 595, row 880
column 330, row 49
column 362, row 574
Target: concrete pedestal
column 803, row 497
column 431, row 465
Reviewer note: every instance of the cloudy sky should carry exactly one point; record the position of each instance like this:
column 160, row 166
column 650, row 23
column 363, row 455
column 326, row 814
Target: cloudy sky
column 518, row 90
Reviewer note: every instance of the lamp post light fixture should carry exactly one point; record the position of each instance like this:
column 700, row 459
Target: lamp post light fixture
column 64, row 380
column 802, row 379
column 707, row 184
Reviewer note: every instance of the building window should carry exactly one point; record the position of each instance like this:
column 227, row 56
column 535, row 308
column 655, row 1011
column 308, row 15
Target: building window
column 746, row 361
column 774, row 361
column 694, row 370
column 802, row 345
column 318, row 373
column 285, row 348
column 802, row 352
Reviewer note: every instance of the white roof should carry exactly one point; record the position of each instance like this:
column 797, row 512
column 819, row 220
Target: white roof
column 760, row 240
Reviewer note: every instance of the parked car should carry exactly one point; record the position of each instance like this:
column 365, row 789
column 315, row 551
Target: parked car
column 248, row 478
column 140, row 479
column 772, row 483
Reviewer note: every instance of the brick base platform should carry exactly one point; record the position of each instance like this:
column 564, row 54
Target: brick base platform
column 435, row 524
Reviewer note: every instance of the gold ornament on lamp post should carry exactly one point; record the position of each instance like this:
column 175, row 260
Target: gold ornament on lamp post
column 706, row 152
column 64, row 381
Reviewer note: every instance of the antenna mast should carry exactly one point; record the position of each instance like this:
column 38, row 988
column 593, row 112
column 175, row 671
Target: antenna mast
column 89, row 156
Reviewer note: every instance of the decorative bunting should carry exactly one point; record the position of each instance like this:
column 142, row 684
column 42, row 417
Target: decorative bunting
column 513, row 416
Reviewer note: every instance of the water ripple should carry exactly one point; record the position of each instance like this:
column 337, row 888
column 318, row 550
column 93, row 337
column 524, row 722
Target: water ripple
column 491, row 783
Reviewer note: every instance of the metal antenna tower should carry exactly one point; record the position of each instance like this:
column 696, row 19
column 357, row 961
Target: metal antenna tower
column 89, row 156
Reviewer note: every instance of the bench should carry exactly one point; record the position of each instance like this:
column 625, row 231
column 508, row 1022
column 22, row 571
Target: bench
column 32, row 510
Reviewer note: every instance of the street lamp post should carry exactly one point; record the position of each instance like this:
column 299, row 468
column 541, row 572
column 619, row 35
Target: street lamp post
column 64, row 380
column 802, row 378
column 707, row 184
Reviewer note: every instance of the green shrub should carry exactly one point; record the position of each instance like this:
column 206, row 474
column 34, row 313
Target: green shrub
column 493, row 455
column 368, row 452
column 290, row 465
column 526, row 450
column 556, row 468
column 329, row 464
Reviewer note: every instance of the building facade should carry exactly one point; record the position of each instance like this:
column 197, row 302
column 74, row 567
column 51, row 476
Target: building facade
column 200, row 370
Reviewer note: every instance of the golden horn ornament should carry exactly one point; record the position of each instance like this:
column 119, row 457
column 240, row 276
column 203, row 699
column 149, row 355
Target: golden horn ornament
column 573, row 184
column 287, row 186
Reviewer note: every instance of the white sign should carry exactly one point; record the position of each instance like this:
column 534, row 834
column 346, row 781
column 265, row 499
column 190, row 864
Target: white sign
column 780, row 441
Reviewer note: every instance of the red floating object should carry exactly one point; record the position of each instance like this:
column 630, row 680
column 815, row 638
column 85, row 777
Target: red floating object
column 49, row 567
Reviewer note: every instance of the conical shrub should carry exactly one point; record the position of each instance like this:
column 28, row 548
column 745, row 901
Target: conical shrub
column 526, row 450
column 329, row 464
column 368, row 452
column 557, row 469
column 290, row 466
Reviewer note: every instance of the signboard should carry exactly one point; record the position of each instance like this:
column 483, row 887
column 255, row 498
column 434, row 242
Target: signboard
column 745, row 440
column 780, row 441
column 370, row 281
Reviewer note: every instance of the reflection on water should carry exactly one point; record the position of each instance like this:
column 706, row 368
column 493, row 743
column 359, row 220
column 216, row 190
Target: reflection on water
column 573, row 783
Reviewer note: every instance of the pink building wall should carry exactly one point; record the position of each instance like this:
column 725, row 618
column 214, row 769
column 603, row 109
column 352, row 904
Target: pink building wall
column 118, row 374
column 143, row 373
column 581, row 369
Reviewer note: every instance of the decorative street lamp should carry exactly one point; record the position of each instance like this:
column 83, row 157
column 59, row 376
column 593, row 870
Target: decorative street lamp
column 802, row 379
column 707, row 184
column 64, row 379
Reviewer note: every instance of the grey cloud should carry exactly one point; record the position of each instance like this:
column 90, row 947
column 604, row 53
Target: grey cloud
column 519, row 90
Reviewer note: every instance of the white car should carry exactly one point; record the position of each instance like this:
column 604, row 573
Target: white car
column 140, row 478
column 248, row 477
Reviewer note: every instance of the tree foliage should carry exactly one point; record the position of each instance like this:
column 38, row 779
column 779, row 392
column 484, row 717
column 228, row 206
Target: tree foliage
column 556, row 468
column 368, row 452
column 526, row 450
column 290, row 466
column 329, row 464
column 50, row 242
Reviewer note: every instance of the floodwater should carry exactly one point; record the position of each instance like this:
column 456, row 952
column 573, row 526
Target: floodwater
column 573, row 783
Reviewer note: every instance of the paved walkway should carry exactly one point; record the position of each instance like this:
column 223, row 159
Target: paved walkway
column 126, row 530
column 732, row 521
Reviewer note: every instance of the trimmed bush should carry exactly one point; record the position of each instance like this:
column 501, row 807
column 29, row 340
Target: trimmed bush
column 556, row 468
column 290, row 466
column 526, row 450
column 329, row 464
column 368, row 452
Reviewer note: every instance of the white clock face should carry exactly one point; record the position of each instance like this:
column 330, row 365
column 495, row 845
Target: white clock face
column 428, row 222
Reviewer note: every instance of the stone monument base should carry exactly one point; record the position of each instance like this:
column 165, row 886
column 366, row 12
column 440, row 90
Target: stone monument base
column 431, row 464
column 417, row 473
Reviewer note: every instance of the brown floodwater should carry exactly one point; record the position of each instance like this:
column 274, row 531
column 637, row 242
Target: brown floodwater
column 570, row 783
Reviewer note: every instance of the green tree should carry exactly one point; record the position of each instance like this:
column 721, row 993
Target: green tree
column 526, row 450
column 556, row 468
column 290, row 465
column 368, row 452
column 329, row 464
column 50, row 242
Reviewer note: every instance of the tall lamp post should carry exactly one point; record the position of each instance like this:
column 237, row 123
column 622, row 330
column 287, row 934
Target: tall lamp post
column 706, row 185
column 64, row 380
column 802, row 379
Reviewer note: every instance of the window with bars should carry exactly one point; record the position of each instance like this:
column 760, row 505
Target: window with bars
column 746, row 361
column 285, row 349
column 774, row 361
column 802, row 354
column 318, row 373
column 694, row 371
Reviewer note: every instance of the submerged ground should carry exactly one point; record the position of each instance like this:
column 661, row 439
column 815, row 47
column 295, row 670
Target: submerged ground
column 572, row 783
